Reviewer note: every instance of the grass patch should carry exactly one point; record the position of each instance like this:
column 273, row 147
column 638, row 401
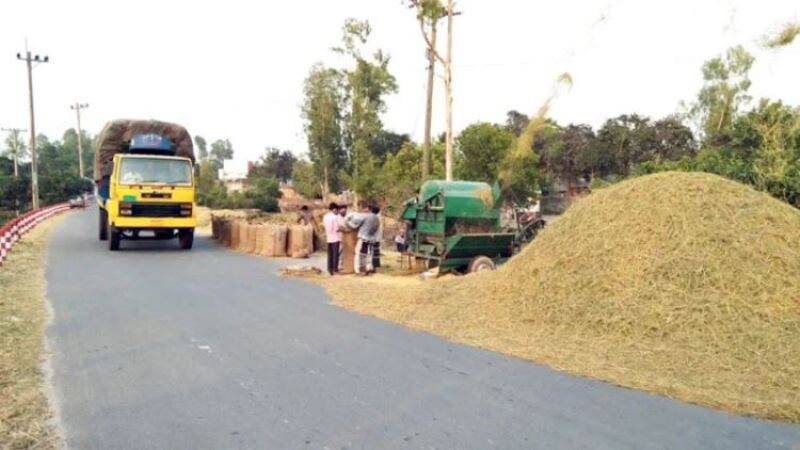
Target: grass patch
column 24, row 411
column 685, row 285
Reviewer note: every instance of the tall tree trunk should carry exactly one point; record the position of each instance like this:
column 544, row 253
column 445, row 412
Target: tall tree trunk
column 448, row 85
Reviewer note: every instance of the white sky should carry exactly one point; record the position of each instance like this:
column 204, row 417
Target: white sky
column 234, row 69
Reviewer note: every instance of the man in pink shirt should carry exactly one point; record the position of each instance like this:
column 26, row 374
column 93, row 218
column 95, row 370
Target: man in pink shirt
column 332, row 224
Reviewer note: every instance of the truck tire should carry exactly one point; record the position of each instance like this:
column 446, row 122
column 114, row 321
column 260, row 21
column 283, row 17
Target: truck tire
column 102, row 224
column 186, row 239
column 113, row 239
column 480, row 264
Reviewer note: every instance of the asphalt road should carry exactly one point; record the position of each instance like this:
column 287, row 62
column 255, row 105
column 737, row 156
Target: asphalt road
column 157, row 348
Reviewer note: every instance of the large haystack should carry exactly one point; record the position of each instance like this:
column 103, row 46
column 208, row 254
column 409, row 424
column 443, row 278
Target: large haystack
column 684, row 284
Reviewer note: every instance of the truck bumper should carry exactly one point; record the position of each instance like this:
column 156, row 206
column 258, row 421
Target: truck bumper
column 149, row 223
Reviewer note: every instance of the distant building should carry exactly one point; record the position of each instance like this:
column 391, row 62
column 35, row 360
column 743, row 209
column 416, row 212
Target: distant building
column 234, row 174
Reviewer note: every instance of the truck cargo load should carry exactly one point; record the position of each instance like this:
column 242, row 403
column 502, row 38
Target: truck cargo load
column 117, row 134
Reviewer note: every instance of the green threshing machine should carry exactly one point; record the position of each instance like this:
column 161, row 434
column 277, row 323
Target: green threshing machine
column 455, row 225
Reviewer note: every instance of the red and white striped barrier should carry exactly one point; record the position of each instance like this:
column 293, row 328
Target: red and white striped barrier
column 12, row 231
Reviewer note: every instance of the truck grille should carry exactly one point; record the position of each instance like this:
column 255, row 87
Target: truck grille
column 156, row 210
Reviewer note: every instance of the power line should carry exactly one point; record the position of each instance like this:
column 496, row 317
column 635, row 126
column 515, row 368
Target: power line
column 29, row 60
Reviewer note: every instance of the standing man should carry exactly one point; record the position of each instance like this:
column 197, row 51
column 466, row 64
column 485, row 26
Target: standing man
column 368, row 225
column 333, row 236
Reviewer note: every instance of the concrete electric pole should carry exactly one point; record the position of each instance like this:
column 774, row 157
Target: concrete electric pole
column 78, row 107
column 29, row 60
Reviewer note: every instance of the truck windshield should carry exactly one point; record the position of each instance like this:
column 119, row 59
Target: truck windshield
column 154, row 170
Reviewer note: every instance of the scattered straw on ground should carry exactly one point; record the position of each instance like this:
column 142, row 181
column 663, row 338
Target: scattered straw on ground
column 24, row 412
column 681, row 284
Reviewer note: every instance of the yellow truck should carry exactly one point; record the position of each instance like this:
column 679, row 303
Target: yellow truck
column 145, row 187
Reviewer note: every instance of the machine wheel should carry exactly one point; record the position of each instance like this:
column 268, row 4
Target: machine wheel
column 113, row 238
column 186, row 239
column 102, row 224
column 480, row 264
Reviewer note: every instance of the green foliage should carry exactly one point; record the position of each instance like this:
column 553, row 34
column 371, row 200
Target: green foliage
column 367, row 84
column 264, row 193
column 323, row 113
column 221, row 150
column 274, row 163
column 724, row 92
column 305, row 180
column 201, row 146
column 482, row 148
column 402, row 172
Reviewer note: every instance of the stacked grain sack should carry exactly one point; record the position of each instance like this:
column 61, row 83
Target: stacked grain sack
column 244, row 228
column 235, row 234
column 259, row 249
column 275, row 240
column 300, row 241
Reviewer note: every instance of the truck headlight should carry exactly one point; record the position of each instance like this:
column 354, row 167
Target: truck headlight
column 186, row 209
column 125, row 209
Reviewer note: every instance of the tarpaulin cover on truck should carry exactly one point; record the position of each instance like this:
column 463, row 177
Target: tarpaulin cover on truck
column 118, row 133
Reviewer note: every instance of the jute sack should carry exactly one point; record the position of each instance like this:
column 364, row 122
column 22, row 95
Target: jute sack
column 235, row 233
column 251, row 238
column 225, row 232
column 243, row 229
column 259, row 240
column 275, row 241
column 348, row 255
column 300, row 241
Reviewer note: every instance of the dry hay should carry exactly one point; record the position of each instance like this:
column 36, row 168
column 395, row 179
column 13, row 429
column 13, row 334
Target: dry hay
column 24, row 412
column 681, row 284
column 118, row 132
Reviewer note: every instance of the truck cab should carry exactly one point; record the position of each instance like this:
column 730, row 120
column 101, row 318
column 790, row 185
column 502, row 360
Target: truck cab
column 150, row 194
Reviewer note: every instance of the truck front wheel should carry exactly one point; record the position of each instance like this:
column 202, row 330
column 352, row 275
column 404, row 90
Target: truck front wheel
column 103, row 224
column 186, row 239
column 113, row 238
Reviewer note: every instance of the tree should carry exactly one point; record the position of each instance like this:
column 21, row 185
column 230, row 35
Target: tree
column 387, row 143
column 69, row 143
column 482, row 147
column 402, row 172
column 221, row 150
column 574, row 156
column 322, row 111
column 724, row 92
column 304, row 179
column 264, row 193
column 15, row 149
column 274, row 163
column 674, row 140
column 368, row 82
column 202, row 147
column 628, row 139
column 776, row 165
column 517, row 122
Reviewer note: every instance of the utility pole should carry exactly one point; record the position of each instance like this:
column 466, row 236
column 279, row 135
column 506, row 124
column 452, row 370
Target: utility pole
column 78, row 107
column 426, row 143
column 433, row 11
column 29, row 60
column 448, row 87
column 15, row 143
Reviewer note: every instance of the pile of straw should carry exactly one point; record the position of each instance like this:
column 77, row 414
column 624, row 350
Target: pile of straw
column 683, row 284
